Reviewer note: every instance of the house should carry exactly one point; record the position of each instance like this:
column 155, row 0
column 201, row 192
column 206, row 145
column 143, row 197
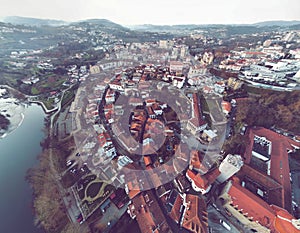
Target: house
column 226, row 107
column 135, row 101
column 116, row 85
column 195, row 71
column 95, row 69
column 194, row 81
column 151, row 113
column 110, row 96
column 157, row 109
column 208, row 135
column 176, row 66
column 267, row 152
column 123, row 160
column 195, row 216
column 107, row 148
column 219, row 87
column 147, row 211
column 174, row 205
column 178, row 82
column 150, row 102
column 254, row 213
column 202, row 183
column 196, row 124
column 109, row 116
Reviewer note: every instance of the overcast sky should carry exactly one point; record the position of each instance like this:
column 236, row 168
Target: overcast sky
column 132, row 12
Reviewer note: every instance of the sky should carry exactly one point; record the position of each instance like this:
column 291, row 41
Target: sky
column 159, row 12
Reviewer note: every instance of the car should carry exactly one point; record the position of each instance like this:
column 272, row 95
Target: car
column 69, row 163
column 79, row 219
column 225, row 225
column 73, row 170
column 215, row 206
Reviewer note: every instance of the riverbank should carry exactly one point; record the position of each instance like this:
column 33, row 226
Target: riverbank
column 13, row 110
column 45, row 181
column 46, row 110
column 4, row 122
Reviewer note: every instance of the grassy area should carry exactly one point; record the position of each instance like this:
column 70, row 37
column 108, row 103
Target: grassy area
column 204, row 105
column 258, row 90
column 68, row 96
column 47, row 83
column 68, row 180
column 34, row 91
column 48, row 103
column 53, row 82
column 94, row 189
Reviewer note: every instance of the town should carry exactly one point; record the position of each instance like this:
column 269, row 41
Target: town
column 164, row 135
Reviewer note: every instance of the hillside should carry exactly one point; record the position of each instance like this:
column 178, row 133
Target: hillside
column 33, row 21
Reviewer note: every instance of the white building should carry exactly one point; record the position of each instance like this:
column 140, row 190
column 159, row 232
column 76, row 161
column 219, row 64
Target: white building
column 2, row 92
column 176, row 66
column 123, row 160
column 229, row 166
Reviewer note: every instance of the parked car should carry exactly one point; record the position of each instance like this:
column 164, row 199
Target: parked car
column 225, row 224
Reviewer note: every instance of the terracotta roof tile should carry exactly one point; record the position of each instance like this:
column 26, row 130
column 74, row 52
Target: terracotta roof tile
column 148, row 214
column 175, row 213
column 274, row 218
column 279, row 169
column 195, row 215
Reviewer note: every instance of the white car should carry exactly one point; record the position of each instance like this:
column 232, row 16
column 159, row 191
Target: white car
column 225, row 224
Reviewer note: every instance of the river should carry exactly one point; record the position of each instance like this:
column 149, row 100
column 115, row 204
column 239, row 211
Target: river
column 18, row 153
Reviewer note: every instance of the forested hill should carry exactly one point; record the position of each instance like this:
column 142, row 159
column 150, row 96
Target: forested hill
column 276, row 109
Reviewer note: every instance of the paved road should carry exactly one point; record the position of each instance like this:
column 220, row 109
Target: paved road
column 214, row 218
column 110, row 217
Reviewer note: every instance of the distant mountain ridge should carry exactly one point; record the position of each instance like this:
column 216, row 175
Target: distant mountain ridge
column 151, row 27
column 103, row 22
column 281, row 23
column 17, row 20
column 33, row 21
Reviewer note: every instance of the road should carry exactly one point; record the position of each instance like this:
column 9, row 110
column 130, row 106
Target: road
column 214, row 217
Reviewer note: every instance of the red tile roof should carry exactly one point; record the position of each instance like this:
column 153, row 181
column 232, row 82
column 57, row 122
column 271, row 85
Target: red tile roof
column 147, row 160
column 197, row 111
column 175, row 213
column 226, row 106
column 195, row 215
column 149, row 214
column 279, row 169
column 133, row 193
column 272, row 217
column 203, row 181
column 195, row 160
column 256, row 208
column 200, row 181
column 282, row 220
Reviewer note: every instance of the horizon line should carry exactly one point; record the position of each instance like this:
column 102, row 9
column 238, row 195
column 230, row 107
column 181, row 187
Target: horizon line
column 2, row 18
